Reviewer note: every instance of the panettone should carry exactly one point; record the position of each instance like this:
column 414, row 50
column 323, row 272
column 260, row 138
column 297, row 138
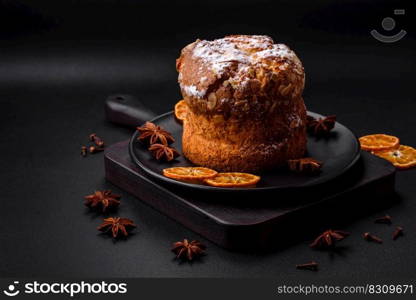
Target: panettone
column 244, row 95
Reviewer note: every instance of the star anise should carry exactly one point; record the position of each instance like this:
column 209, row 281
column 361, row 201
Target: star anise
column 328, row 238
column 163, row 152
column 188, row 250
column 105, row 199
column 117, row 225
column 320, row 126
column 151, row 134
column 304, row 165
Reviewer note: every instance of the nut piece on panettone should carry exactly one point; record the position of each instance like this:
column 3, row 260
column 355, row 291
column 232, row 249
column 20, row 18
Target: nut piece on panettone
column 246, row 111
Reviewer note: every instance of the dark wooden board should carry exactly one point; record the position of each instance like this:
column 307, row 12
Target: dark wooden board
column 262, row 220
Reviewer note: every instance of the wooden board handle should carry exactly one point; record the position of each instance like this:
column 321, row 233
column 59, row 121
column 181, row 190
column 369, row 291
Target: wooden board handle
column 127, row 110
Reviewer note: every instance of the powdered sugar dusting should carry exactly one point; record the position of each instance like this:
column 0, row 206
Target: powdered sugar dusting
column 239, row 56
column 219, row 54
column 276, row 50
column 193, row 91
column 245, row 50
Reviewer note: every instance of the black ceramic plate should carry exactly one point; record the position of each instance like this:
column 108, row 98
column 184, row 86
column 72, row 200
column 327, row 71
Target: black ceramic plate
column 338, row 152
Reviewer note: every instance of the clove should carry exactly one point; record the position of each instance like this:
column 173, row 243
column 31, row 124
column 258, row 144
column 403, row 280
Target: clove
column 383, row 220
column 372, row 238
column 313, row 266
column 398, row 232
column 94, row 149
column 97, row 140
column 84, row 151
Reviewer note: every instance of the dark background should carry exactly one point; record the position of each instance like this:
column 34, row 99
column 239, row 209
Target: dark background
column 59, row 60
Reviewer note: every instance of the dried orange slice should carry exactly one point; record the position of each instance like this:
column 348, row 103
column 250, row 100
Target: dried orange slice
column 189, row 174
column 376, row 142
column 403, row 157
column 181, row 109
column 234, row 179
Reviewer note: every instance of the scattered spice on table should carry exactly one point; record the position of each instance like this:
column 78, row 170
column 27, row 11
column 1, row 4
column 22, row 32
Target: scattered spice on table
column 96, row 140
column 117, row 226
column 95, row 149
column 104, row 199
column 84, row 151
column 328, row 239
column 188, row 250
column 383, row 220
column 397, row 232
column 313, row 266
column 372, row 238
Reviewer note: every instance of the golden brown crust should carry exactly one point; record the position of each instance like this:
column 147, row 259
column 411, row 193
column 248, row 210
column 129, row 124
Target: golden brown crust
column 245, row 146
column 246, row 112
